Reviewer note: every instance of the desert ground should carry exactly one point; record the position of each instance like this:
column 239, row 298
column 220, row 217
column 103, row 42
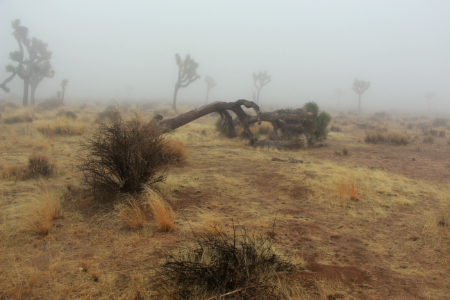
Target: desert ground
column 370, row 222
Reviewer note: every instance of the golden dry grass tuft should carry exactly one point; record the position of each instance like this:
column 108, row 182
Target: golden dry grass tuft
column 161, row 210
column 130, row 213
column 349, row 187
column 176, row 151
column 42, row 208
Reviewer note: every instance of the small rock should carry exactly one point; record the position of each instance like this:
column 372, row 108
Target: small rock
column 414, row 159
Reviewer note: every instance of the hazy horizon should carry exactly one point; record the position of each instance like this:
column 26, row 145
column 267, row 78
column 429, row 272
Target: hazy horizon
column 309, row 49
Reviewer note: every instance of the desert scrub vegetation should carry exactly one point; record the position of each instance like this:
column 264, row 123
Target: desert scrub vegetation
column 20, row 117
column 334, row 128
column 130, row 213
column 176, row 152
column 382, row 135
column 40, row 211
column 124, row 155
column 320, row 123
column 38, row 165
column 63, row 125
column 161, row 210
column 240, row 265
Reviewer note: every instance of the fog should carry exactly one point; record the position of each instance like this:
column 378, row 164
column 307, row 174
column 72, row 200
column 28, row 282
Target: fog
column 310, row 48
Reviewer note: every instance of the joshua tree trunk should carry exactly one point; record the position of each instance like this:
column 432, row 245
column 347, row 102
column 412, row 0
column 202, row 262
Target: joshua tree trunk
column 26, row 83
column 257, row 96
column 207, row 93
column 33, row 90
column 175, row 92
column 62, row 94
column 359, row 103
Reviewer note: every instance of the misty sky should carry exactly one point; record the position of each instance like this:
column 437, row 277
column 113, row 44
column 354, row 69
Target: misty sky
column 309, row 47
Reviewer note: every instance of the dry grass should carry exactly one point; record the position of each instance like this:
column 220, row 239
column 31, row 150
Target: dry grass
column 384, row 136
column 62, row 125
column 130, row 213
column 41, row 210
column 335, row 128
column 349, row 188
column 161, row 210
column 428, row 139
column 176, row 151
column 39, row 164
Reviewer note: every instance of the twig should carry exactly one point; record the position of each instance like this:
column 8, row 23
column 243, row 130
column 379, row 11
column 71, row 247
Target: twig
column 239, row 290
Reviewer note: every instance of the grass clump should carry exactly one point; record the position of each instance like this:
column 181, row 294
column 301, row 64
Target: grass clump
column 349, row 188
column 382, row 135
column 239, row 265
column 161, row 211
column 42, row 209
column 67, row 114
column 130, row 213
column 346, row 151
column 176, row 152
column 123, row 155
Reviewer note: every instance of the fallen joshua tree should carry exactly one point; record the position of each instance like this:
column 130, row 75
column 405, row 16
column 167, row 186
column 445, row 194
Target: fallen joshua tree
column 292, row 128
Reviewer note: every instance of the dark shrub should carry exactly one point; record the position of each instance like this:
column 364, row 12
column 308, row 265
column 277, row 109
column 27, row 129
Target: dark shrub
column 39, row 165
column 109, row 113
column 18, row 119
column 123, row 156
column 219, row 263
column 335, row 128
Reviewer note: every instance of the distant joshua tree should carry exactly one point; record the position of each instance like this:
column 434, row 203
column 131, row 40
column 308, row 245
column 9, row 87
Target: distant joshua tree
column 58, row 95
column 260, row 80
column 429, row 96
column 210, row 83
column 187, row 73
column 360, row 86
column 31, row 70
column 339, row 93
column 63, row 88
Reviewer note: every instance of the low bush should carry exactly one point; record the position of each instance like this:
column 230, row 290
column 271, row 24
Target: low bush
column 22, row 118
column 346, row 151
column 39, row 165
column 335, row 128
column 440, row 122
column 441, row 133
column 52, row 103
column 240, row 265
column 122, row 156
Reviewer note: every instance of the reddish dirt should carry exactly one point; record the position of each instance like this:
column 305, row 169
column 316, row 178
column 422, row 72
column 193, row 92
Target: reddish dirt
column 430, row 163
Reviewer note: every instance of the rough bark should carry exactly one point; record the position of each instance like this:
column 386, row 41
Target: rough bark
column 26, row 83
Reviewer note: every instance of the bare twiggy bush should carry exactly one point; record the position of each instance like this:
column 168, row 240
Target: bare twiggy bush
column 410, row 125
column 239, row 264
column 441, row 133
column 39, row 165
column 161, row 210
column 122, row 156
column 130, row 213
column 175, row 152
column 67, row 114
column 42, row 209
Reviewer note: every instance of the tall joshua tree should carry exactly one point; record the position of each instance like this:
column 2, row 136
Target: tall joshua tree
column 64, row 83
column 360, row 86
column 210, row 83
column 187, row 73
column 260, row 80
column 429, row 96
column 339, row 93
column 32, row 69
